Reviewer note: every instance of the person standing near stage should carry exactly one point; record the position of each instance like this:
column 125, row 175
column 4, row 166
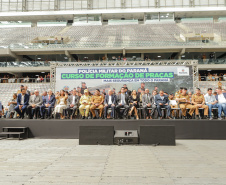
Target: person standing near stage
column 83, row 87
column 85, row 102
column 211, row 101
column 184, row 103
column 199, row 101
column 162, row 101
column 123, row 102
column 97, row 103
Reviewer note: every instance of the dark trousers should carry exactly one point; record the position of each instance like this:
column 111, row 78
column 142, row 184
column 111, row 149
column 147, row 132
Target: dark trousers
column 121, row 114
column 112, row 111
column 167, row 107
column 71, row 110
column 22, row 111
column 42, row 110
column 33, row 111
column 146, row 111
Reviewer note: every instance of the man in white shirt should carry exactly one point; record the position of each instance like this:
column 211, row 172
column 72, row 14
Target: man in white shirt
column 221, row 99
column 211, row 101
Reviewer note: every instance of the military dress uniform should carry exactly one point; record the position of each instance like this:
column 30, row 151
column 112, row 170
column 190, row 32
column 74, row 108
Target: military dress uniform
column 177, row 93
column 84, row 99
column 184, row 105
column 97, row 99
column 199, row 99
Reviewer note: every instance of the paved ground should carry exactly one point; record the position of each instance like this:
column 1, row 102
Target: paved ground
column 60, row 162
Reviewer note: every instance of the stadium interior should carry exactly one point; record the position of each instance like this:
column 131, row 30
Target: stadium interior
column 37, row 36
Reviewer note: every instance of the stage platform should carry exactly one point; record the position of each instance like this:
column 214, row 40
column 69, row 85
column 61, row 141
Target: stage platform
column 69, row 129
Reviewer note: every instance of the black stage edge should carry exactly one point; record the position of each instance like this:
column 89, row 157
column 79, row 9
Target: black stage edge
column 69, row 129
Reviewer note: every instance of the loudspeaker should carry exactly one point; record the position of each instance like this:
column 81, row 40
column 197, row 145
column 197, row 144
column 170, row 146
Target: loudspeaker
column 95, row 135
column 159, row 135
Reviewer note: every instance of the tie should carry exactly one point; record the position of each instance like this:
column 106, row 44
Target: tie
column 49, row 98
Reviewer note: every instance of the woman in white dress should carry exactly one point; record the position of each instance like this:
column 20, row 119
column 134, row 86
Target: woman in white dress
column 61, row 103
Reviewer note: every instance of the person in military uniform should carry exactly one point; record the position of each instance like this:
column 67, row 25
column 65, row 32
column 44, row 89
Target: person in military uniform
column 199, row 101
column 178, row 92
column 173, row 106
column 184, row 103
column 97, row 102
column 85, row 102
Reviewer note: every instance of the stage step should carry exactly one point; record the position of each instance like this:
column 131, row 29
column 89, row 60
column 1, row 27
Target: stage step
column 15, row 131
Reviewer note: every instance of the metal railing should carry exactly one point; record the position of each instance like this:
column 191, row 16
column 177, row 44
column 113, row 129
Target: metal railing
column 212, row 78
column 24, row 80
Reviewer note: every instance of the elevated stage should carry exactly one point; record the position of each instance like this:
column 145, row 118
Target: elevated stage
column 69, row 129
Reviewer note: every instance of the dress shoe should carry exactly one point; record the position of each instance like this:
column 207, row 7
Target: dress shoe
column 83, row 117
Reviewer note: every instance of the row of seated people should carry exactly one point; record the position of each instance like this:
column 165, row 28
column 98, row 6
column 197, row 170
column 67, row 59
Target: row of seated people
column 122, row 104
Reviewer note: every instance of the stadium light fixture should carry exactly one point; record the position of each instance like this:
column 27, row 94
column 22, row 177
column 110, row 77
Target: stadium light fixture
column 159, row 56
column 39, row 58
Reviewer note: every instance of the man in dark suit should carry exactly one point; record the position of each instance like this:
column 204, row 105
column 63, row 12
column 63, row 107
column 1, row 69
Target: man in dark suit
column 109, row 102
column 48, row 102
column 22, row 103
column 162, row 101
column 73, row 101
column 123, row 102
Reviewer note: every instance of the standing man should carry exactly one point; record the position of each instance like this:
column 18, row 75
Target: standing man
column 162, row 101
column 123, row 102
column 146, row 103
column 22, row 103
column 83, row 87
column 109, row 102
column 211, row 101
column 184, row 103
column 97, row 102
column 221, row 98
column 73, row 101
column 35, row 101
column 48, row 102
column 199, row 101
column 85, row 102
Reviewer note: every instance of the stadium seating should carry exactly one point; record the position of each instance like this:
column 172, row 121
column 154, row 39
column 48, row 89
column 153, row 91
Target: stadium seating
column 131, row 35
column 7, row 90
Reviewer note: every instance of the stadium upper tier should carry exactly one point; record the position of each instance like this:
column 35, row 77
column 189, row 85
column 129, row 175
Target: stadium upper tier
column 113, row 36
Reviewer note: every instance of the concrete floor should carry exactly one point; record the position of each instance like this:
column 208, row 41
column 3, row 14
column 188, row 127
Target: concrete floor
column 60, row 162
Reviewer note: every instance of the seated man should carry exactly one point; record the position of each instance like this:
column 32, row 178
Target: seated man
column 211, row 101
column 48, row 102
column 35, row 103
column 73, row 101
column 123, row 102
column 109, row 102
column 199, row 101
column 22, row 103
column 162, row 101
column 85, row 102
column 185, row 103
column 146, row 103
column 221, row 99
column 97, row 102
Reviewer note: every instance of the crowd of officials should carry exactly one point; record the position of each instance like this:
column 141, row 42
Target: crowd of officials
column 80, row 103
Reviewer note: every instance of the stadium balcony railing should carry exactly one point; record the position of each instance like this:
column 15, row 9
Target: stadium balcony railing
column 112, row 44
column 24, row 80
column 47, row 63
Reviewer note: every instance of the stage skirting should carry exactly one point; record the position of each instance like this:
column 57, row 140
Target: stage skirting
column 69, row 129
